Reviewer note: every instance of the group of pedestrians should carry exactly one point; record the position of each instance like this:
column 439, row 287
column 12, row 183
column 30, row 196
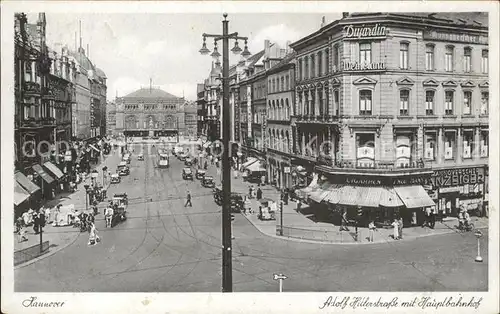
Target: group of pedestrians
column 34, row 218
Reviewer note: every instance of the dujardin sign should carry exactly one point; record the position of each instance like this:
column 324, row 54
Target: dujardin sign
column 364, row 31
column 362, row 66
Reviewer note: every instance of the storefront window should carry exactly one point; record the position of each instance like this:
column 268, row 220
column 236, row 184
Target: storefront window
column 365, row 53
column 467, row 102
column 449, row 145
column 365, row 102
column 430, row 146
column 468, row 141
column 365, row 149
column 467, row 59
column 484, row 142
column 485, row 102
column 429, row 57
column 404, row 98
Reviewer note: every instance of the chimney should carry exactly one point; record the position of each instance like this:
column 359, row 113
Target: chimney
column 345, row 14
column 267, row 47
column 323, row 22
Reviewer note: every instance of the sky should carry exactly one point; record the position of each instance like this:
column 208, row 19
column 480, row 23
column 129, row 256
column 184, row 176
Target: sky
column 132, row 48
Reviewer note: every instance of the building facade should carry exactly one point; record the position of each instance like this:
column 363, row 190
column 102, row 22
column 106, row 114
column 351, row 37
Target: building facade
column 280, row 100
column 151, row 112
column 111, row 118
column 399, row 100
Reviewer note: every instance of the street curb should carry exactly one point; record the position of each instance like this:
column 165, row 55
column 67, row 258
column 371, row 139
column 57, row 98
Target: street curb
column 50, row 253
column 338, row 243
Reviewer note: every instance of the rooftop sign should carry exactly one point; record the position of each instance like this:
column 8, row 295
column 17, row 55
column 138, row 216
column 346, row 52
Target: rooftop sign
column 361, row 32
column 455, row 37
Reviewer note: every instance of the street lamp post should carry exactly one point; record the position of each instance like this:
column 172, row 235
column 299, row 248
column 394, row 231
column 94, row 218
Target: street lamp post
column 227, row 280
column 478, row 235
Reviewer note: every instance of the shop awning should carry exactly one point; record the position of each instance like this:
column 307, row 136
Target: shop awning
column 256, row 167
column 250, row 161
column 365, row 196
column 390, row 198
column 319, row 194
column 45, row 176
column 53, row 169
column 414, row 196
column 26, row 183
column 20, row 194
column 333, row 194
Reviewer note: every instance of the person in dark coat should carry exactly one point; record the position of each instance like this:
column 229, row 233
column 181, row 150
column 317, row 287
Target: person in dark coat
column 188, row 200
column 285, row 198
column 259, row 193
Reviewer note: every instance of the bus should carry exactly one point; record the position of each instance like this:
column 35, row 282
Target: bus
column 163, row 160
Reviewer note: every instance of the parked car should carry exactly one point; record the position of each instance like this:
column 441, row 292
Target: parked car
column 208, row 182
column 200, row 174
column 189, row 161
column 123, row 169
column 182, row 156
column 187, row 174
column 140, row 157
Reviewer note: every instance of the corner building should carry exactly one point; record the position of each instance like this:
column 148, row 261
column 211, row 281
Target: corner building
column 392, row 109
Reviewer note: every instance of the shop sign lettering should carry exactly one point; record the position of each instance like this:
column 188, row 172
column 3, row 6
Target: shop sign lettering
column 457, row 177
column 420, row 180
column 358, row 32
column 362, row 66
column 465, row 38
column 357, row 181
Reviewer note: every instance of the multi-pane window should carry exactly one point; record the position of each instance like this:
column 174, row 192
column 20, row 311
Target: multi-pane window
column 404, row 98
column 467, row 102
column 429, row 102
column 484, row 141
column 429, row 57
column 365, row 102
column 336, row 102
column 313, row 66
column 430, row 146
column 403, row 55
column 448, row 59
column 365, row 53
column 320, row 65
column 336, row 61
column 467, row 59
column 448, row 102
column 449, row 145
column 484, row 61
column 485, row 102
column 467, row 144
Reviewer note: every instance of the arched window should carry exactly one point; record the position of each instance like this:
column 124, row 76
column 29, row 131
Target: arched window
column 320, row 66
column 273, row 142
column 282, row 109
column 327, row 61
column 287, row 110
column 313, row 66
column 287, row 137
column 306, row 68
column 269, row 112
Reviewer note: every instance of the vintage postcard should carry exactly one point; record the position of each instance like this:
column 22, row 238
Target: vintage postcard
column 247, row 157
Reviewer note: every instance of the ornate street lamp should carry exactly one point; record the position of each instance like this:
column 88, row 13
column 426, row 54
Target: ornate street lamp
column 227, row 280
column 478, row 235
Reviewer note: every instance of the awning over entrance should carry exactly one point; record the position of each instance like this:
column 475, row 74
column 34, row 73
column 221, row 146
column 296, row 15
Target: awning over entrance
column 53, row 168
column 414, row 196
column 26, row 183
column 20, row 194
column 45, row 176
column 319, row 194
column 256, row 167
column 250, row 161
column 365, row 196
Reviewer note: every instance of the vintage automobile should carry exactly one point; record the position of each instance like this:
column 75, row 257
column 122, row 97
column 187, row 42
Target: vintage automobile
column 189, row 161
column 123, row 169
column 120, row 202
column 126, row 158
column 265, row 210
column 140, row 157
column 200, row 174
column 208, row 182
column 182, row 156
column 236, row 199
column 187, row 174
column 115, row 178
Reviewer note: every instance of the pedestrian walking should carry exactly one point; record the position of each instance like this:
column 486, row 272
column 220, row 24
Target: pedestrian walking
column 21, row 230
column 250, row 188
column 263, row 180
column 93, row 235
column 396, row 229
column 205, row 166
column 109, row 215
column 36, row 222
column 285, row 198
column 259, row 194
column 299, row 205
column 372, row 228
column 188, row 200
column 400, row 227
column 343, row 221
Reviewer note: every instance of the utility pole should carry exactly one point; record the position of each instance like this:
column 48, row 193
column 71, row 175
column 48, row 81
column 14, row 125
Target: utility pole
column 227, row 279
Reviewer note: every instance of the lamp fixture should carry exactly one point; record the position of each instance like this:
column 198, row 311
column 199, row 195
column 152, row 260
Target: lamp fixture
column 245, row 54
column 215, row 54
column 236, row 49
column 204, row 50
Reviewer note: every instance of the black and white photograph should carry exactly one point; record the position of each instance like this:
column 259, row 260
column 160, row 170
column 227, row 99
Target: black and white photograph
column 337, row 152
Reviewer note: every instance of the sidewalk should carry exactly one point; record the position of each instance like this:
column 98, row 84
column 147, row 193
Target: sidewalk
column 305, row 226
column 60, row 237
